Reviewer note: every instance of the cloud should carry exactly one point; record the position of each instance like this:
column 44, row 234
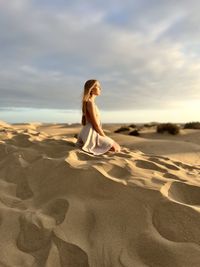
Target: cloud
column 141, row 51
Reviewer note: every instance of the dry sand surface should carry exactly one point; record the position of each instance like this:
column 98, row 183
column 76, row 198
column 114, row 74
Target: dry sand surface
column 60, row 206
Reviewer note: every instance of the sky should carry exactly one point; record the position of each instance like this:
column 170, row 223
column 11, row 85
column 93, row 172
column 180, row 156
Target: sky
column 145, row 53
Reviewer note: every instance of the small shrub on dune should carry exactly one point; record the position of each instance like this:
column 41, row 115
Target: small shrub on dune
column 122, row 129
column 192, row 125
column 168, row 127
column 132, row 126
column 148, row 125
column 134, row 133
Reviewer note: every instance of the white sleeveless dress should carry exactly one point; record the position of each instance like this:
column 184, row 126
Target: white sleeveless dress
column 91, row 141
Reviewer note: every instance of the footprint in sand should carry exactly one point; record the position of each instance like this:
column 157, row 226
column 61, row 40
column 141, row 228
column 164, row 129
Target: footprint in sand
column 36, row 236
column 161, row 162
column 70, row 254
column 184, row 193
column 172, row 176
column 23, row 190
column 185, row 166
column 13, row 172
column 57, row 209
column 155, row 156
column 36, row 227
column 177, row 222
column 12, row 202
column 156, row 251
column 144, row 164
column 33, row 234
column 119, row 172
column 157, row 181
column 21, row 140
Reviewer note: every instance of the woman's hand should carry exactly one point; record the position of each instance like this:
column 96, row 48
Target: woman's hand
column 116, row 147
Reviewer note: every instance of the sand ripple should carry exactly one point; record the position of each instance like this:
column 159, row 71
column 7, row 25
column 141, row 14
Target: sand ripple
column 60, row 206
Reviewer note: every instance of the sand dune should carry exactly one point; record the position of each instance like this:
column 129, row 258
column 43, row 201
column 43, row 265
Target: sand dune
column 60, row 206
column 183, row 147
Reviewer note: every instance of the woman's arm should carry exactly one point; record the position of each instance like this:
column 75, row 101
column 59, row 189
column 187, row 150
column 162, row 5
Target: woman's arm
column 83, row 120
column 91, row 110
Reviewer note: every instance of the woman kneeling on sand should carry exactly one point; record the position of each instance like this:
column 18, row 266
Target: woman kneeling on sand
column 92, row 138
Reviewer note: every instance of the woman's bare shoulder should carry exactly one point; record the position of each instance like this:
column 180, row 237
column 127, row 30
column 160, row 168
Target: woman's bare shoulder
column 90, row 103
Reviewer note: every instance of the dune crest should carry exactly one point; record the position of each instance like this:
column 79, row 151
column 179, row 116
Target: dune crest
column 60, row 206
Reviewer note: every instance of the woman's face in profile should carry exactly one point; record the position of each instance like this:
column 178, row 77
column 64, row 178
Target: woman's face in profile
column 97, row 89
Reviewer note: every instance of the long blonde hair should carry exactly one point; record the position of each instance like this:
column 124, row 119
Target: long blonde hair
column 89, row 85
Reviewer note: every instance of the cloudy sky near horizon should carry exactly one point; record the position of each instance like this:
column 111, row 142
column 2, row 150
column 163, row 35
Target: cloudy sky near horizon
column 145, row 53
